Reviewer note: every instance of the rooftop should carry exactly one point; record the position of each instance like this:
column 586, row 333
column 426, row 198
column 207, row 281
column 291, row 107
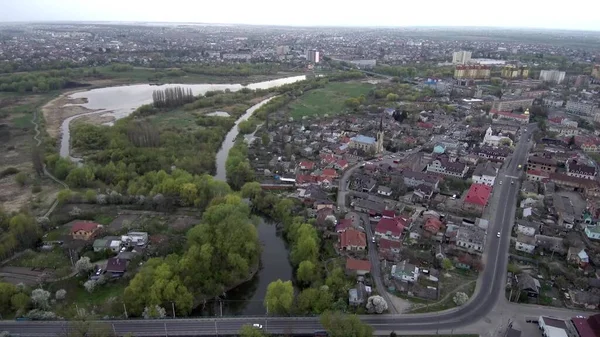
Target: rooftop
column 478, row 194
column 364, row 139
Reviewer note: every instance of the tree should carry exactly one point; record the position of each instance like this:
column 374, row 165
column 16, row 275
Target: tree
column 397, row 185
column 90, row 285
column 250, row 331
column 392, row 97
column 460, row 298
column 393, row 334
column 80, row 177
column 88, row 329
column 7, row 291
column 20, row 302
column 83, row 266
column 265, row 139
column 376, row 304
column 304, row 249
column 90, row 196
column 251, row 190
column 314, row 301
column 154, row 311
column 40, row 298
column 60, row 294
column 279, row 297
column 343, row 325
column 447, row 264
column 307, row 272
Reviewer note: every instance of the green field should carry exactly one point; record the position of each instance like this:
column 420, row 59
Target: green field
column 328, row 100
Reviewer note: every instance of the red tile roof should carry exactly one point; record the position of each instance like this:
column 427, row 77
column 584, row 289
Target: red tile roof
column 329, row 173
column 343, row 224
column 538, row 173
column 394, row 226
column 353, row 237
column 342, row 163
column 511, row 115
column 84, row 226
column 385, row 244
column 389, row 214
column 583, row 327
column 353, row 264
column 307, row 165
column 478, row 194
column 432, row 225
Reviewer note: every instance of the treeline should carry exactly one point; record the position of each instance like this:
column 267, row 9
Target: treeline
column 242, row 70
column 172, row 97
column 223, row 251
column 120, row 68
column 18, row 231
column 43, row 81
column 217, row 98
column 417, row 71
column 238, row 168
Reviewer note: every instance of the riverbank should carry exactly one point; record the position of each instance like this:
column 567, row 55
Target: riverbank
column 61, row 108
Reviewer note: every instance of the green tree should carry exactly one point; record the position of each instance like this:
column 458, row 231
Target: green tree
column 7, row 291
column 251, row 190
column 90, row 196
column 64, row 196
column 22, row 178
column 88, row 329
column 315, row 301
column 447, row 264
column 25, row 230
column 392, row 97
column 265, row 139
column 307, row 272
column 305, row 249
column 250, row 331
column 80, row 177
column 20, row 302
column 279, row 297
column 342, row 325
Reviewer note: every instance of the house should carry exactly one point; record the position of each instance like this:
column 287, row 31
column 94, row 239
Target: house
column 341, row 164
column 541, row 163
column 585, row 299
column 477, row 197
column 306, row 165
column 357, row 296
column 550, row 243
column 390, row 228
column 587, row 327
column 527, row 227
column 470, row 239
column 357, row 267
column 492, row 153
column 100, row 245
column 552, row 327
column 423, row 192
column 448, row 167
column 579, row 170
column 389, row 247
column 116, row 267
column 579, row 256
column 353, row 240
column 83, row 230
column 135, row 238
column 384, row 190
column 343, row 225
column 485, row 174
column 414, row 179
column 592, row 232
column 432, row 225
column 326, row 217
column 388, row 214
column 537, row 175
column 526, row 283
column 329, row 174
column 525, row 243
column 405, row 272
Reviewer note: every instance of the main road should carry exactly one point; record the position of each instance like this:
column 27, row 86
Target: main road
column 490, row 288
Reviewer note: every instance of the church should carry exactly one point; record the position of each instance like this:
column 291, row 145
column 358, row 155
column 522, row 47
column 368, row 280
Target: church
column 490, row 140
column 369, row 144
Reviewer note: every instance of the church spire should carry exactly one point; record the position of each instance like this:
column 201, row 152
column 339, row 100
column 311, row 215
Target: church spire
column 381, row 124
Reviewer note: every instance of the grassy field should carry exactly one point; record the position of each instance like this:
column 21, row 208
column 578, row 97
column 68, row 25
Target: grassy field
column 105, row 300
column 328, row 100
column 52, row 259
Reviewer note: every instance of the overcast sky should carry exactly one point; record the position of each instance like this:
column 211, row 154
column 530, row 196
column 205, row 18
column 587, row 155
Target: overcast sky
column 573, row 14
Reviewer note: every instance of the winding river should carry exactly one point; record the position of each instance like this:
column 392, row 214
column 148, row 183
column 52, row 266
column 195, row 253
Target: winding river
column 120, row 102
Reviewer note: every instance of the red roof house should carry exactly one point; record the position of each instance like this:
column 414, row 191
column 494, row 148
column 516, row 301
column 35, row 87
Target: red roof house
column 359, row 267
column 432, row 225
column 352, row 239
column 387, row 247
column 343, row 225
column 84, row 230
column 477, row 197
column 388, row 214
column 390, row 228
column 341, row 164
column 329, row 173
column 306, row 165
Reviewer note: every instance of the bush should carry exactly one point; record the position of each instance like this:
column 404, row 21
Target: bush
column 21, row 178
column 8, row 172
column 460, row 298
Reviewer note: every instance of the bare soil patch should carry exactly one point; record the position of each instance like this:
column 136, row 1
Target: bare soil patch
column 59, row 109
column 96, row 119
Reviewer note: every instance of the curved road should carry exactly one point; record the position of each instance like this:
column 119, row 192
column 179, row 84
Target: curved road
column 491, row 289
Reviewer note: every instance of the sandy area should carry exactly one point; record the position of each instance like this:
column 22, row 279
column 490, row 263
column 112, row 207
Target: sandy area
column 55, row 111
column 96, row 119
column 12, row 196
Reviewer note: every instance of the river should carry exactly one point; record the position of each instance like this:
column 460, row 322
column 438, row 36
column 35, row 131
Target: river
column 120, row 102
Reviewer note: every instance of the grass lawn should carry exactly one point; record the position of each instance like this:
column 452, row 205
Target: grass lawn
column 328, row 100
column 52, row 259
column 105, row 300
column 179, row 119
column 448, row 303
column 22, row 122
column 104, row 219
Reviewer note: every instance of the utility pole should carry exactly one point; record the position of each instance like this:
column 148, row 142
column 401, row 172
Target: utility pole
column 114, row 331
column 173, row 306
column 166, row 332
column 216, row 330
column 125, row 308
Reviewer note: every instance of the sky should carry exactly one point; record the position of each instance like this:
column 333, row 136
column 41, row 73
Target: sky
column 574, row 14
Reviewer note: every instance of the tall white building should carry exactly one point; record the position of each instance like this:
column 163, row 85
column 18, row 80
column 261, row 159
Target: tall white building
column 461, row 57
column 313, row 56
column 552, row 76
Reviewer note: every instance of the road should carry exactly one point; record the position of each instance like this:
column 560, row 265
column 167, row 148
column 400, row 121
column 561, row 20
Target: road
column 487, row 302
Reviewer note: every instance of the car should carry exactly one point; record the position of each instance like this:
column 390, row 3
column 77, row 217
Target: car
column 373, row 239
column 257, row 326
column 498, row 235
column 500, row 182
column 512, row 182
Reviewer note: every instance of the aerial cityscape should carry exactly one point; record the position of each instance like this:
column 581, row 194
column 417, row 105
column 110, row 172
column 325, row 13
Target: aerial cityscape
column 184, row 178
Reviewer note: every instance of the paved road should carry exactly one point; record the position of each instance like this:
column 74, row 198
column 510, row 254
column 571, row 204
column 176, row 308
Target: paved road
column 473, row 313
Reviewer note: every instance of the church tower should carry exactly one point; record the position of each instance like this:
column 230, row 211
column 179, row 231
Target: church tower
column 379, row 148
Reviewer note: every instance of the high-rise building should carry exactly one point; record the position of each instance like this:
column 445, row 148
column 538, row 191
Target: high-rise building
column 511, row 71
column 461, row 57
column 475, row 72
column 313, row 56
column 554, row 76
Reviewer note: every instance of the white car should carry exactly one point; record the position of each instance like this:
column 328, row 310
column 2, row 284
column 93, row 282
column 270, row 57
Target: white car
column 498, row 235
column 256, row 325
column 500, row 182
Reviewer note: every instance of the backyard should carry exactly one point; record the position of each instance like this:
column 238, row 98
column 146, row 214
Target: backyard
column 328, row 100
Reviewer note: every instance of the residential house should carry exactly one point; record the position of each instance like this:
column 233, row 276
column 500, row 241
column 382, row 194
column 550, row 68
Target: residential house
column 357, row 267
column 565, row 181
column 306, row 165
column 541, row 163
column 343, row 225
column 552, row 327
column 537, row 175
column 330, row 174
column 326, row 218
column 527, row 228
column 389, row 247
column 384, row 190
column 550, row 243
column 414, row 179
column 448, row 167
column 135, row 238
column 477, row 197
column 492, row 153
column 83, row 230
column 578, row 256
column 526, row 283
column 112, row 243
column 116, row 267
column 579, row 170
column 592, row 232
column 525, row 243
column 368, row 206
column 353, row 240
column 422, row 193
column 471, row 239
column 432, row 225
column 357, row 296
column 341, row 164
column 388, row 214
column 390, row 228
column 405, row 272
column 485, row 174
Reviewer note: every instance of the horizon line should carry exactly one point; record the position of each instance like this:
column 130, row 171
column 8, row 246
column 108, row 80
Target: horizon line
column 297, row 26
